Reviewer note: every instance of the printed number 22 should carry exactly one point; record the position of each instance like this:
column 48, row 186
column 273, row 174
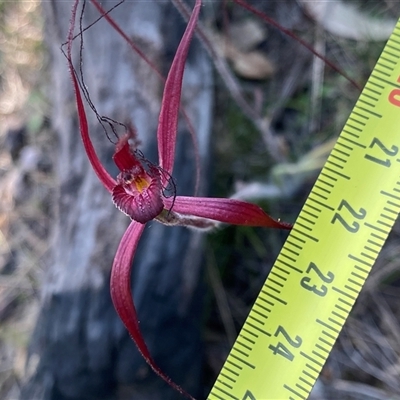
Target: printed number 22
column 354, row 226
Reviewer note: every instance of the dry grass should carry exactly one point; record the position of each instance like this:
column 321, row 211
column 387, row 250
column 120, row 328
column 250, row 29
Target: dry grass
column 24, row 185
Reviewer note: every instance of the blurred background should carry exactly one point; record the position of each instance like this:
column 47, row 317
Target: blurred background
column 266, row 113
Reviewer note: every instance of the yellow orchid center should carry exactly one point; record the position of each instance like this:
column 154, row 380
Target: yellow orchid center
column 141, row 183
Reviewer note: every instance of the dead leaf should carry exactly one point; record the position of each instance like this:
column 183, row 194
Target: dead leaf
column 252, row 65
column 247, row 64
column 247, row 34
column 347, row 21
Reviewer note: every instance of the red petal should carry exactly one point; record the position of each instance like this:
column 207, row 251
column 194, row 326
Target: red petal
column 168, row 120
column 121, row 286
column 122, row 297
column 229, row 211
column 123, row 157
column 100, row 171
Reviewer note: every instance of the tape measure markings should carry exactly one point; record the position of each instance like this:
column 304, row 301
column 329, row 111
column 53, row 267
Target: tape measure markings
column 295, row 322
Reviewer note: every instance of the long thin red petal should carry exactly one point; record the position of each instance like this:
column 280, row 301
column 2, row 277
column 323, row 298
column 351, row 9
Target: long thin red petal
column 105, row 178
column 136, row 49
column 122, row 296
column 168, row 120
column 229, row 211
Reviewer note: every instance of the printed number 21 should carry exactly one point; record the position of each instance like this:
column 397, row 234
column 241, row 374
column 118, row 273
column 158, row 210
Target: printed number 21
column 381, row 148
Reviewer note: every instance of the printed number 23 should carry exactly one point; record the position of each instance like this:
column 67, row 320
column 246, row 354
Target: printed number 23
column 316, row 277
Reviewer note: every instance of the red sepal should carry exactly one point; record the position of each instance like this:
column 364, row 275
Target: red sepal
column 228, row 211
column 168, row 120
column 105, row 178
column 122, row 297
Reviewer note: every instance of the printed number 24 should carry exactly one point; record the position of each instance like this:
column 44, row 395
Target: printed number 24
column 281, row 348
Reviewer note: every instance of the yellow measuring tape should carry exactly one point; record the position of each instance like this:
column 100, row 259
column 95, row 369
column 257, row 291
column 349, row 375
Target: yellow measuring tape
column 328, row 255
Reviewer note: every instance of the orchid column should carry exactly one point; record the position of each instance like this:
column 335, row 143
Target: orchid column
column 83, row 347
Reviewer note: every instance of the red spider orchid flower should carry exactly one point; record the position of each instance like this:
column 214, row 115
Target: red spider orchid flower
column 139, row 190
